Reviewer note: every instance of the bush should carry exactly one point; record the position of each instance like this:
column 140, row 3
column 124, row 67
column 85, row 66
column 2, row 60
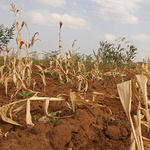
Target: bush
column 5, row 35
column 119, row 53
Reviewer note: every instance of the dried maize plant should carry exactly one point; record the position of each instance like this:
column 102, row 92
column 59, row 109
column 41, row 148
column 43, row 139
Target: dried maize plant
column 18, row 70
column 75, row 98
column 60, row 70
column 114, row 73
column 42, row 75
column 104, row 94
column 69, row 64
column 142, row 92
column 96, row 73
column 125, row 94
column 82, row 83
column 145, row 71
column 9, row 111
column 82, row 75
column 81, row 69
column 57, row 67
column 127, row 91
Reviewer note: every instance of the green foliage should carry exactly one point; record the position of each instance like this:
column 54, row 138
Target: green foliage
column 76, row 57
column 54, row 120
column 24, row 94
column 88, row 61
column 61, row 82
column 35, row 117
column 77, row 83
column 118, row 53
column 102, row 86
column 76, row 106
column 5, row 35
column 49, row 56
column 14, row 131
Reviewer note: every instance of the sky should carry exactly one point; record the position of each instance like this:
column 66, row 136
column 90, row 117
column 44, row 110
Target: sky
column 87, row 21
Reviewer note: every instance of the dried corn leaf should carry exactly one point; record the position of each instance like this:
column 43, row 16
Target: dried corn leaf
column 8, row 120
column 46, row 107
column 142, row 80
column 146, row 142
column 28, row 114
column 3, row 113
column 125, row 94
column 33, row 40
column 23, row 42
column 1, row 134
column 10, row 110
column 105, row 94
column 6, row 80
column 73, row 98
column 80, row 101
column 24, row 23
column 143, row 84
column 43, row 78
column 19, row 109
column 133, row 144
column 64, row 96
column 137, row 119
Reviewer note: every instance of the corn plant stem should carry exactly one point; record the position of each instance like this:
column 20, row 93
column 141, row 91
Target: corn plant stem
column 134, row 134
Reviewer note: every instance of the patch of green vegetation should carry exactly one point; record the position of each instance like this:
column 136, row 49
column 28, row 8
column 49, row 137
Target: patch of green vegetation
column 62, row 87
column 67, row 82
column 14, row 131
column 61, row 82
column 69, row 75
column 35, row 117
column 24, row 94
column 47, row 74
column 54, row 120
column 77, row 83
column 76, row 106
column 102, row 87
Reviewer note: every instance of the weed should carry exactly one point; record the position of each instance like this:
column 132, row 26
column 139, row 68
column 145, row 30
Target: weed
column 69, row 75
column 54, row 120
column 62, row 87
column 52, row 113
column 47, row 74
column 14, row 131
column 77, row 83
column 61, row 82
column 24, row 94
column 35, row 117
column 102, row 87
column 76, row 106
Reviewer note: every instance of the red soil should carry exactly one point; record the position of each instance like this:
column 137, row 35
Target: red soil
column 88, row 128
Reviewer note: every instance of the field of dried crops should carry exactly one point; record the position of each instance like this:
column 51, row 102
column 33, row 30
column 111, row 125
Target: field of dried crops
column 65, row 106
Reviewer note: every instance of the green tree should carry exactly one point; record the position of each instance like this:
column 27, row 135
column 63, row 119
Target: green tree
column 5, row 35
column 119, row 52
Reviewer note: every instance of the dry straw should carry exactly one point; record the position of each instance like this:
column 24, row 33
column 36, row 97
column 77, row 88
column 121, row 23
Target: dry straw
column 138, row 90
column 9, row 110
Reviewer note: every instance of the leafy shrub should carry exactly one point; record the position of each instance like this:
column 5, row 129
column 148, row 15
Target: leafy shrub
column 5, row 35
column 119, row 53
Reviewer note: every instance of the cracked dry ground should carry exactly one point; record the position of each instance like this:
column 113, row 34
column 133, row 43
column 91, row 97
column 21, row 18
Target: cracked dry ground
column 87, row 128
